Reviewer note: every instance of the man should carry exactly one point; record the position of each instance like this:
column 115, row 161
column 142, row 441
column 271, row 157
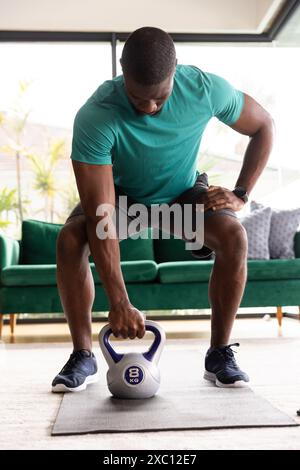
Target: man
column 138, row 135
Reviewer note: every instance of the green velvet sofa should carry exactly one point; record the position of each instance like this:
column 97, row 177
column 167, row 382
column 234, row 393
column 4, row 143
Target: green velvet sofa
column 159, row 274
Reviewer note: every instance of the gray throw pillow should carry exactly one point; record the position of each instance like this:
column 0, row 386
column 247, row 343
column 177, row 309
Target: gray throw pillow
column 257, row 225
column 284, row 225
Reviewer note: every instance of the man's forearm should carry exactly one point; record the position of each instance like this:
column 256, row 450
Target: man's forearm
column 256, row 156
column 106, row 256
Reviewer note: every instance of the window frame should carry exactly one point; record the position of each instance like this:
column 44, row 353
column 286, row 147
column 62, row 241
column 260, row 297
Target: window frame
column 282, row 18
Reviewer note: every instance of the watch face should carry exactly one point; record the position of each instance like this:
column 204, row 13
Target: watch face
column 241, row 193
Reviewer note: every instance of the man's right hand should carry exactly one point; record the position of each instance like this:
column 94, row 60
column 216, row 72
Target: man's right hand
column 127, row 321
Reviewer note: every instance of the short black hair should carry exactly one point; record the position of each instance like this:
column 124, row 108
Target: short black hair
column 148, row 55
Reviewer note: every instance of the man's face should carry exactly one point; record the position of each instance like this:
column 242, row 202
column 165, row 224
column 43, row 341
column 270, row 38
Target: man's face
column 148, row 99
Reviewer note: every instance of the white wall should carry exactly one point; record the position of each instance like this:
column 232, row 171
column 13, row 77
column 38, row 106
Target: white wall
column 194, row 16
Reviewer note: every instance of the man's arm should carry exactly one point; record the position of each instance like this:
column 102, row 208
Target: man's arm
column 258, row 124
column 96, row 186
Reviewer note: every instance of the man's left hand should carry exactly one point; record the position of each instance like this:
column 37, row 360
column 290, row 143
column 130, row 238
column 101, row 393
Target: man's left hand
column 217, row 198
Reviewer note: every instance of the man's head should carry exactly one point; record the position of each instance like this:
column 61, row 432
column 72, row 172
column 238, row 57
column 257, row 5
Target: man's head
column 148, row 62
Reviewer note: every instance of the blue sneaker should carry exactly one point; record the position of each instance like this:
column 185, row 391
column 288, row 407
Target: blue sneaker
column 80, row 370
column 222, row 369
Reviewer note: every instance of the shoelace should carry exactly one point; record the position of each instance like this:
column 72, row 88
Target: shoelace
column 74, row 357
column 228, row 353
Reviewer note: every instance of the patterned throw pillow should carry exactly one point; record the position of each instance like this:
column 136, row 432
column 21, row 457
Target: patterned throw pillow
column 284, row 224
column 257, row 225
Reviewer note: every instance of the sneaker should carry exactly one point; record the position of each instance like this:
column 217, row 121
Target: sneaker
column 222, row 369
column 80, row 370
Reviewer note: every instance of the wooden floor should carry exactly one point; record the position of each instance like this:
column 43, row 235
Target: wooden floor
column 29, row 361
column 59, row 332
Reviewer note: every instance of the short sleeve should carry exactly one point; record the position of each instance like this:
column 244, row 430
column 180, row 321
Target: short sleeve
column 93, row 137
column 226, row 102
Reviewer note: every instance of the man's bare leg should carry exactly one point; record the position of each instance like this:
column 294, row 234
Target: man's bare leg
column 227, row 237
column 75, row 280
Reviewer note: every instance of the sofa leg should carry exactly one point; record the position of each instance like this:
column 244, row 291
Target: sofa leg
column 1, row 325
column 12, row 322
column 279, row 316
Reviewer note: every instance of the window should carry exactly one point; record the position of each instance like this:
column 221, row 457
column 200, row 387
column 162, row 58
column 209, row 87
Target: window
column 42, row 87
column 62, row 76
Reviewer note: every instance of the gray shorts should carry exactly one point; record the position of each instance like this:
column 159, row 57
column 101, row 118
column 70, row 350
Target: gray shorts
column 190, row 196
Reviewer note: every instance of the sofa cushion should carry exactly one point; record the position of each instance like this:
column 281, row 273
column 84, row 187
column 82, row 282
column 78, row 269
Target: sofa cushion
column 258, row 270
column 284, row 225
column 273, row 269
column 45, row 274
column 134, row 271
column 171, row 249
column 38, row 245
column 297, row 244
column 9, row 251
column 132, row 249
column 257, row 225
column 184, row 271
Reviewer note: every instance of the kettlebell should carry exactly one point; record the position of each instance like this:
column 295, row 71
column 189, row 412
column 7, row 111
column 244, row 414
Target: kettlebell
column 133, row 375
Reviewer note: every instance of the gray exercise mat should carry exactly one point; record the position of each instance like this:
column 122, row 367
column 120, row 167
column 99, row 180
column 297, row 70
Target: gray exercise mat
column 184, row 401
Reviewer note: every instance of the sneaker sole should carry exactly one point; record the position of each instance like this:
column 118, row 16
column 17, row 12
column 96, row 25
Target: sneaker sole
column 211, row 377
column 58, row 388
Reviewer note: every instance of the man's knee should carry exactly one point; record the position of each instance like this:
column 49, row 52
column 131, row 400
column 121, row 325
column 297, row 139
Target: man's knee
column 234, row 240
column 72, row 238
column 226, row 234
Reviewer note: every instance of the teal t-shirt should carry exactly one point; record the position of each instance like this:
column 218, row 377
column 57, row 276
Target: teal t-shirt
column 154, row 158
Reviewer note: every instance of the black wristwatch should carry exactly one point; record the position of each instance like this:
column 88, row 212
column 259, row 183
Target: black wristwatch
column 241, row 192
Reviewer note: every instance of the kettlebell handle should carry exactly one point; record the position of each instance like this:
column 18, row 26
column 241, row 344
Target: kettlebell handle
column 116, row 357
column 149, row 355
column 159, row 339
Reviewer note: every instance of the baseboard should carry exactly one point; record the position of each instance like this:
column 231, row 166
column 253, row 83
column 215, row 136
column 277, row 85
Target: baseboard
column 248, row 315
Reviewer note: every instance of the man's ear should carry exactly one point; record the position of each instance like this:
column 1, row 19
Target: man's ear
column 174, row 70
